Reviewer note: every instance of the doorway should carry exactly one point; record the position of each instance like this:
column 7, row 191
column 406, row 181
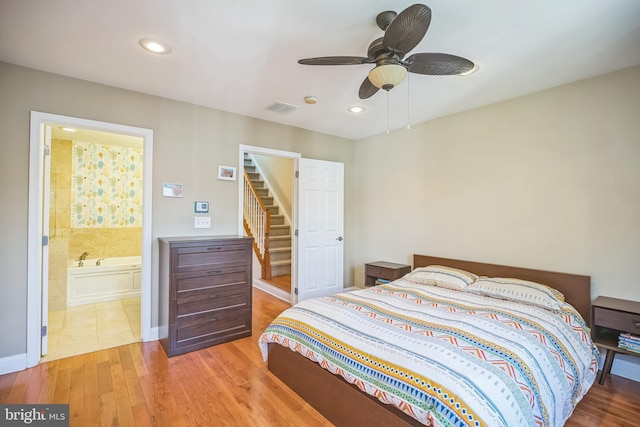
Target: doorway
column 39, row 240
column 281, row 283
column 317, row 213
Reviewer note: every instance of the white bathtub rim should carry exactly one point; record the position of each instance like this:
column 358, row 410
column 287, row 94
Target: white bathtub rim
column 105, row 262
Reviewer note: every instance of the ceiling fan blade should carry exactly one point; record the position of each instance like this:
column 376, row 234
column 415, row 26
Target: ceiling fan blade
column 407, row 29
column 438, row 64
column 335, row 60
column 367, row 89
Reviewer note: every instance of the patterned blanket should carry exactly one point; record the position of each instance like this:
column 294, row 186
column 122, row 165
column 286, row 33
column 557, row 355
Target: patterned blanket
column 445, row 357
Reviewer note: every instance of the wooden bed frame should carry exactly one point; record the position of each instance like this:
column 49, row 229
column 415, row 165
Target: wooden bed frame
column 345, row 405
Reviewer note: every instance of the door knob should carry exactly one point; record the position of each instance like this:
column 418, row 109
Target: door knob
column 340, row 239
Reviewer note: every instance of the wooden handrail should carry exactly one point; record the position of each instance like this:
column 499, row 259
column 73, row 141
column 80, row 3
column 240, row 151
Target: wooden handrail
column 260, row 229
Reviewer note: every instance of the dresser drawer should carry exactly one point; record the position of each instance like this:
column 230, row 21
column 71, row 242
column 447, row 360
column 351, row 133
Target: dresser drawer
column 210, row 256
column 206, row 307
column 226, row 326
column 614, row 319
column 198, row 282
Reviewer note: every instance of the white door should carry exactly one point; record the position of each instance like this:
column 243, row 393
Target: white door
column 46, row 193
column 320, row 228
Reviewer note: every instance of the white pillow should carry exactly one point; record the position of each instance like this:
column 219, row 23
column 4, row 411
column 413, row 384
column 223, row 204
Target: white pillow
column 518, row 290
column 438, row 275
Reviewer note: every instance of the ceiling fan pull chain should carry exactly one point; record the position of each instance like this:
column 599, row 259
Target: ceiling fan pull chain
column 387, row 111
column 408, row 104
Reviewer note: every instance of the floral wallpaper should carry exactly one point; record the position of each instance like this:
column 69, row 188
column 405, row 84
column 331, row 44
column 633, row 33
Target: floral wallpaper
column 106, row 186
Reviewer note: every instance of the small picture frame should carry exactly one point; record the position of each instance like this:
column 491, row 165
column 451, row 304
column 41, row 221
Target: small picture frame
column 227, row 173
column 201, row 207
column 171, row 190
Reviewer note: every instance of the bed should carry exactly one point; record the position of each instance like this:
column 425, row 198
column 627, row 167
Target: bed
column 450, row 356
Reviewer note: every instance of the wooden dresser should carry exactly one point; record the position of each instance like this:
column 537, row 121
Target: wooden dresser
column 205, row 291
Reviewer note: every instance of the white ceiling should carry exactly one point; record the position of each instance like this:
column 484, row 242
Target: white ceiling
column 241, row 56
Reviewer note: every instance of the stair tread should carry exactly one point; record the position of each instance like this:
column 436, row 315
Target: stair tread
column 281, row 262
column 284, row 249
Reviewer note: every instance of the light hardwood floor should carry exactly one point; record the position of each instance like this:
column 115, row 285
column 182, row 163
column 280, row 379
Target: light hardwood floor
column 225, row 385
column 282, row 282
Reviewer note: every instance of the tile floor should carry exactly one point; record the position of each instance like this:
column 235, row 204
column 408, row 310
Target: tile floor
column 90, row 327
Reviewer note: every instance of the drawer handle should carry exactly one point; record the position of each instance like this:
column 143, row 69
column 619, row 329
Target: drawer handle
column 214, row 249
column 637, row 324
column 214, row 272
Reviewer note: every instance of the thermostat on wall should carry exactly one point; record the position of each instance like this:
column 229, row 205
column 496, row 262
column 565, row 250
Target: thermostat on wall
column 201, row 207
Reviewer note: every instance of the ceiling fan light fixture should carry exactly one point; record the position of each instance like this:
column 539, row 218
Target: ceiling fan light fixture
column 471, row 71
column 387, row 76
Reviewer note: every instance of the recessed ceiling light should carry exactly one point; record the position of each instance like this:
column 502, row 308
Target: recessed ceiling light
column 356, row 109
column 155, row 46
column 310, row 100
column 68, row 129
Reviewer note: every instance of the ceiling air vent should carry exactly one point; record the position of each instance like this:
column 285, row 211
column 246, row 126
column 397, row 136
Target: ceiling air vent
column 281, row 107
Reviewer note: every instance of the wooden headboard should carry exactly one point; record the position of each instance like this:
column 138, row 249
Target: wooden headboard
column 576, row 288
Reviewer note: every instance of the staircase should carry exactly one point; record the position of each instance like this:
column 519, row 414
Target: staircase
column 279, row 233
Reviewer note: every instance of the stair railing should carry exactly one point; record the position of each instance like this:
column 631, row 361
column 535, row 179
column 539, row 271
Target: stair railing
column 257, row 224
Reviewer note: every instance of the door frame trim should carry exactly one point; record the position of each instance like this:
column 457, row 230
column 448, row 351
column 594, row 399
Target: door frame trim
column 35, row 216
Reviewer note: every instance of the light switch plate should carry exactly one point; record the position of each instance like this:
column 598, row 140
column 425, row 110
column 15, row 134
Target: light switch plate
column 202, row 222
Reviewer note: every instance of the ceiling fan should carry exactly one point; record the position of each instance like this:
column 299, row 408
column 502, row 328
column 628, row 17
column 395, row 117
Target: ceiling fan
column 403, row 32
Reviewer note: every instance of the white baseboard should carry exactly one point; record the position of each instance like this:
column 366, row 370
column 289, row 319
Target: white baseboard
column 624, row 365
column 154, row 334
column 13, row 363
column 272, row 290
column 281, row 294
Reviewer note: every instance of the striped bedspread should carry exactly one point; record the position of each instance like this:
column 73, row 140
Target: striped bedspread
column 445, row 357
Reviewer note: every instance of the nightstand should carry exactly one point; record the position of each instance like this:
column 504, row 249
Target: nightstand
column 610, row 317
column 383, row 270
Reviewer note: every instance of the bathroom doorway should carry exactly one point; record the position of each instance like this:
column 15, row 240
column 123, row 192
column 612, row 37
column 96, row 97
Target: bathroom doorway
column 95, row 241
column 93, row 213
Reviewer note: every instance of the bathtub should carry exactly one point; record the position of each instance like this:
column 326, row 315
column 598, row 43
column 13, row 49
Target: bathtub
column 113, row 279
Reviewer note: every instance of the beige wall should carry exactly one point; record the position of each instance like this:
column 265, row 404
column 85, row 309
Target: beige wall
column 278, row 172
column 549, row 180
column 189, row 143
